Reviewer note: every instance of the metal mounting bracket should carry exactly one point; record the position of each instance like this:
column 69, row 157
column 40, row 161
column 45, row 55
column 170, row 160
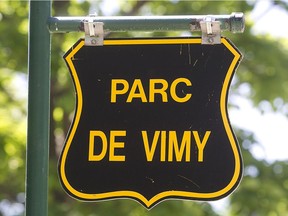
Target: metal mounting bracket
column 211, row 31
column 94, row 32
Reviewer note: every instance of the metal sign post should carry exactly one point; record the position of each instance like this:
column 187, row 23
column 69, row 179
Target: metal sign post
column 38, row 110
column 95, row 29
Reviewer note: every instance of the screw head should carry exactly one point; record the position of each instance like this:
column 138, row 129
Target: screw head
column 93, row 41
column 210, row 40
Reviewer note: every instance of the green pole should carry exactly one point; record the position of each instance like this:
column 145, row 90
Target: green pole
column 38, row 109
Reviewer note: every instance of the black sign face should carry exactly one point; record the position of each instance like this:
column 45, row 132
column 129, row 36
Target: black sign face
column 151, row 121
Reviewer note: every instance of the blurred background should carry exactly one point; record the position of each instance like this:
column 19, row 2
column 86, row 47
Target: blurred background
column 258, row 106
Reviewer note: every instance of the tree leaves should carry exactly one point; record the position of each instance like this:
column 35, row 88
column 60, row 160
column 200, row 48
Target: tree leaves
column 264, row 69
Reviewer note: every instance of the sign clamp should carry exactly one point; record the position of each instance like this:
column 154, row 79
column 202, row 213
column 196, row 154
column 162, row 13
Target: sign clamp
column 94, row 32
column 211, row 32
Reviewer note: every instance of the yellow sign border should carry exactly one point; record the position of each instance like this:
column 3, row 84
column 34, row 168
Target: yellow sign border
column 132, row 194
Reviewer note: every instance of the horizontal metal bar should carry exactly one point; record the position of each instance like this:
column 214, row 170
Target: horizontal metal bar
column 234, row 23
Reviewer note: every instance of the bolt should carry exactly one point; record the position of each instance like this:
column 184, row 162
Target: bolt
column 93, row 41
column 210, row 40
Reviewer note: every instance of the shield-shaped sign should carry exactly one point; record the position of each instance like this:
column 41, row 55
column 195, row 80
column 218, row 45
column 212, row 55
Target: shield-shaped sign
column 151, row 121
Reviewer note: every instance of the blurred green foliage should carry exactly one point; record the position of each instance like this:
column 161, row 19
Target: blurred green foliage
column 264, row 188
